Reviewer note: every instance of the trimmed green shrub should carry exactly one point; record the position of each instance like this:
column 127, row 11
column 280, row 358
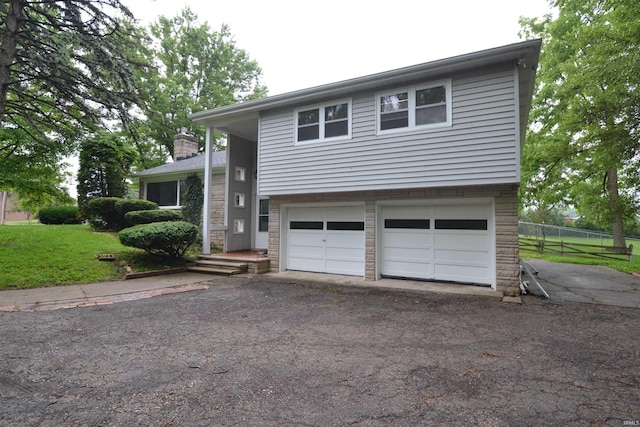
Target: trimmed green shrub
column 130, row 205
column 102, row 213
column 147, row 217
column 59, row 215
column 169, row 238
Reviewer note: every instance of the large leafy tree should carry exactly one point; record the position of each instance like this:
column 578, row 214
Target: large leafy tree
column 64, row 69
column 584, row 144
column 196, row 68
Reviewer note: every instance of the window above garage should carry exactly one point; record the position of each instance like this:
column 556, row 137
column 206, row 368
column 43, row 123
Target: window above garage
column 329, row 121
column 415, row 107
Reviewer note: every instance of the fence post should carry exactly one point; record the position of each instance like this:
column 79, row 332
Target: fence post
column 561, row 247
column 630, row 251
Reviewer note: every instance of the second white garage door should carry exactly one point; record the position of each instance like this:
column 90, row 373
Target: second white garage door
column 326, row 239
column 448, row 242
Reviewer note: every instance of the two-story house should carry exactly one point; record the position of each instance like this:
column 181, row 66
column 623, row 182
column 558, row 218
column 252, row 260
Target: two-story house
column 410, row 173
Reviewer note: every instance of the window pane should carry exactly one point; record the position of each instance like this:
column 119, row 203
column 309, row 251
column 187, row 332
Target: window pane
column 308, row 133
column 395, row 102
column 429, row 115
column 306, row 225
column 263, row 217
column 345, row 225
column 394, row 120
column 432, row 95
column 414, row 224
column 308, row 117
column 336, row 112
column 163, row 193
column 461, row 224
column 264, row 207
column 336, row 129
column 263, row 223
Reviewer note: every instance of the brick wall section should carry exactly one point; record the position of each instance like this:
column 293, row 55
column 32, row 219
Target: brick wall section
column 506, row 220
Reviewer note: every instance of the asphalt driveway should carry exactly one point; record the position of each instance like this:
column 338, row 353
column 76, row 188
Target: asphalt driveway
column 263, row 352
column 587, row 283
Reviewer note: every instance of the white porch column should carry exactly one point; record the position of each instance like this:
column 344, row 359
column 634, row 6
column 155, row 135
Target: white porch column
column 206, row 208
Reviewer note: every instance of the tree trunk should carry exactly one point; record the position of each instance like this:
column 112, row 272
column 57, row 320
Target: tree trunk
column 617, row 218
column 9, row 39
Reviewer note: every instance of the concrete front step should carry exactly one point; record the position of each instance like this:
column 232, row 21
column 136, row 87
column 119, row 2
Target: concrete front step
column 227, row 264
column 214, row 270
column 227, row 268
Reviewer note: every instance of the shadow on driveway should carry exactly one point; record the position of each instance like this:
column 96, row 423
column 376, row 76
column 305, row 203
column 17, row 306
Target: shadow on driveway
column 587, row 283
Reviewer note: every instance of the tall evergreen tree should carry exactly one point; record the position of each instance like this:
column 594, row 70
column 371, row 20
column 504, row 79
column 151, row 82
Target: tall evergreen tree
column 105, row 163
column 63, row 70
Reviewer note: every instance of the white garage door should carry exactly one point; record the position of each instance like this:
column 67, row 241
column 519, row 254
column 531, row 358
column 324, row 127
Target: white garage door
column 451, row 243
column 326, row 239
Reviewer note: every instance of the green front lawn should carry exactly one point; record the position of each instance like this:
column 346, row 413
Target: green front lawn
column 46, row 255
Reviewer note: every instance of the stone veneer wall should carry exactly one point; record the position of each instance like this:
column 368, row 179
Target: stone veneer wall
column 217, row 213
column 506, row 223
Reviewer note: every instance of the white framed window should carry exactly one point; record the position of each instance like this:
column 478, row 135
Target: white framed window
column 328, row 121
column 414, row 107
column 239, row 200
column 263, row 215
column 238, row 226
column 167, row 194
column 241, row 174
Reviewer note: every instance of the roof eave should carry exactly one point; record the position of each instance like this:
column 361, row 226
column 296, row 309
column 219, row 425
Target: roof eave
column 527, row 49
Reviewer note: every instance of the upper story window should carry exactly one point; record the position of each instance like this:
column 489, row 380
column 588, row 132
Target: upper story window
column 321, row 122
column 414, row 107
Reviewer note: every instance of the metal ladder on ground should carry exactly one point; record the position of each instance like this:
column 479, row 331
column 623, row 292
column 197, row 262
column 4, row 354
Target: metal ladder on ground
column 527, row 270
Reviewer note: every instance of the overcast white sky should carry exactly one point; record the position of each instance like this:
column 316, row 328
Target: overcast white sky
column 300, row 44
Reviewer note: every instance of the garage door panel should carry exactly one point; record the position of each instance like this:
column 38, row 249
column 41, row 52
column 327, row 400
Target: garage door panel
column 336, row 247
column 448, row 242
column 408, row 255
column 471, row 242
column 462, row 273
column 306, row 264
column 402, row 268
column 460, row 257
column 344, row 239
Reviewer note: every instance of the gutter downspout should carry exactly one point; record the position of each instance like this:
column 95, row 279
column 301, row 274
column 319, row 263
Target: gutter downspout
column 206, row 208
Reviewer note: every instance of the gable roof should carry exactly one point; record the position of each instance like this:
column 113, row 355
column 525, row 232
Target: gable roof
column 190, row 164
column 242, row 119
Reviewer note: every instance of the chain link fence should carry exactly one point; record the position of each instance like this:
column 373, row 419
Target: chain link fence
column 556, row 232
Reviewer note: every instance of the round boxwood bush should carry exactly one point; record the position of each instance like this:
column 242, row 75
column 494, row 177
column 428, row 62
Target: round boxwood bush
column 102, row 213
column 59, row 215
column 169, row 238
column 129, row 205
column 147, row 217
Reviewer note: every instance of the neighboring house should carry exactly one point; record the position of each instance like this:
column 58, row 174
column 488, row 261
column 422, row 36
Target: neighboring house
column 10, row 208
column 165, row 184
column 410, row 173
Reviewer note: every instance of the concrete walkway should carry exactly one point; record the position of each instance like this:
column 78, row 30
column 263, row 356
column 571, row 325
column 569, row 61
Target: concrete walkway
column 56, row 297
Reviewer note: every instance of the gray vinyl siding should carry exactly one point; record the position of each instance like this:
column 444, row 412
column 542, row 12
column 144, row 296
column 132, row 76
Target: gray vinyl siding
column 480, row 148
